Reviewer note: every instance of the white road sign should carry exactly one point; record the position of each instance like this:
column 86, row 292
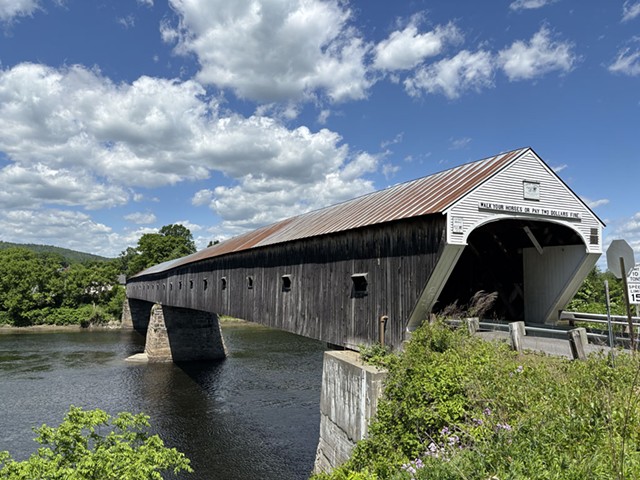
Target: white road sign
column 633, row 281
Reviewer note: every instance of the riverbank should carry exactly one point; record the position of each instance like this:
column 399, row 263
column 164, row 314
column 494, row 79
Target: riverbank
column 12, row 329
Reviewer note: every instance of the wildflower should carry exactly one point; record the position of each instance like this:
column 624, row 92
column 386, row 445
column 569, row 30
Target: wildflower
column 504, row 426
column 478, row 422
column 520, row 369
column 487, row 411
column 453, row 439
column 444, row 431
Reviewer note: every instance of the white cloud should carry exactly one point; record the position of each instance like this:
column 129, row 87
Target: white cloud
column 148, row 3
column 273, row 50
column 459, row 143
column 630, row 10
column 10, row 9
column 453, row 76
column 529, row 4
column 406, row 49
column 64, row 228
column 627, row 62
column 525, row 61
column 256, row 200
column 71, row 137
column 141, row 218
column 127, row 22
column 629, row 230
column 559, row 168
column 596, row 203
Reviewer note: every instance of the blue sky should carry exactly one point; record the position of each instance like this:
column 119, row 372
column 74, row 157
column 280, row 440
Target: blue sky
column 119, row 117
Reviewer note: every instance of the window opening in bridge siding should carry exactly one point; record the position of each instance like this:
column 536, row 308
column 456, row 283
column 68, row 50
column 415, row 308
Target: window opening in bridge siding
column 250, row 282
column 180, row 285
column 223, row 283
column 286, row 283
column 593, row 238
column 359, row 284
column 205, row 284
column 191, row 284
column 170, row 286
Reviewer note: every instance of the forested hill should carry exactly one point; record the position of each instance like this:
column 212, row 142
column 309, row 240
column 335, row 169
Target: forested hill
column 71, row 256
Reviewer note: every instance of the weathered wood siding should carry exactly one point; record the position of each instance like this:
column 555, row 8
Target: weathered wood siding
column 396, row 257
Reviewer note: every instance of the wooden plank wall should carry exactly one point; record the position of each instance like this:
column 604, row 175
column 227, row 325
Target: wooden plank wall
column 397, row 258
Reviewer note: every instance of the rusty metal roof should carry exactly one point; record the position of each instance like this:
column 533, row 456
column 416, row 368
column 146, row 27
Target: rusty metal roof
column 424, row 196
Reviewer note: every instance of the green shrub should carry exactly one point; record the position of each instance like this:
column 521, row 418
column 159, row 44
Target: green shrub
column 456, row 406
column 90, row 444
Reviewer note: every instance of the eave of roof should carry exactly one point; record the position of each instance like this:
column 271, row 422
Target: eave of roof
column 423, row 196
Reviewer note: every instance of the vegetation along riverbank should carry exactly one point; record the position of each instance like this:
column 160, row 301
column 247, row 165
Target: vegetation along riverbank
column 458, row 407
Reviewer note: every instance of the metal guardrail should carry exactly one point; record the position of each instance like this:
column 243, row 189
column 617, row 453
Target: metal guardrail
column 568, row 330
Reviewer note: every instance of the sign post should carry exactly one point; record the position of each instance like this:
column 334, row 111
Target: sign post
column 620, row 258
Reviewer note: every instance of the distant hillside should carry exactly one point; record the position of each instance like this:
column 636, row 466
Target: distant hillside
column 72, row 256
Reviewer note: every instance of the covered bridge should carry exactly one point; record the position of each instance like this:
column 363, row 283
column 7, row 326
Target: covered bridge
column 507, row 224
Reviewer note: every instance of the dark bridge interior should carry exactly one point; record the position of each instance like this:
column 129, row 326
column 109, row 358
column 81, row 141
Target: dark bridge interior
column 492, row 261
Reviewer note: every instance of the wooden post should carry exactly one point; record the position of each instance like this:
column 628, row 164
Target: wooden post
column 473, row 324
column 516, row 333
column 578, row 341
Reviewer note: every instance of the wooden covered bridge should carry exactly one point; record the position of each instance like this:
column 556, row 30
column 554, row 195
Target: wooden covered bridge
column 506, row 223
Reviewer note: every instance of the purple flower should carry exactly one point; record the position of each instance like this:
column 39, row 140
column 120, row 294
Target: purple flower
column 520, row 369
column 503, row 426
column 453, row 439
column 478, row 422
column 444, row 431
column 487, row 411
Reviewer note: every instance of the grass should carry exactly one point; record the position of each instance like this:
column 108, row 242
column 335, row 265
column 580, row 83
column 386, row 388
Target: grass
column 457, row 407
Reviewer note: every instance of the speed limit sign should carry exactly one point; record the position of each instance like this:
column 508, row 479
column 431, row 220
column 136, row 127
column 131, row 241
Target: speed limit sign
column 633, row 281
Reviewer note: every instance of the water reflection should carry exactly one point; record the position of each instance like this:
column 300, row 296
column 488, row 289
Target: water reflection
column 252, row 415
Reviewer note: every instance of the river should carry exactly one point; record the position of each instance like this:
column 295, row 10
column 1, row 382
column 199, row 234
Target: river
column 254, row 415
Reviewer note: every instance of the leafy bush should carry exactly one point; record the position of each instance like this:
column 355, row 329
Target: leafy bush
column 81, row 449
column 458, row 407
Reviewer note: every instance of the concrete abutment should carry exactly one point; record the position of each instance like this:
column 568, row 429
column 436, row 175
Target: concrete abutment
column 348, row 402
column 174, row 334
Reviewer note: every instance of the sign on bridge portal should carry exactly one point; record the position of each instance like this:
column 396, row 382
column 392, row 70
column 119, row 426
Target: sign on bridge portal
column 633, row 281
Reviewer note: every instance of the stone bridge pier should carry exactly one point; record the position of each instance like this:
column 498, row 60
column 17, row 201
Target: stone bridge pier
column 175, row 334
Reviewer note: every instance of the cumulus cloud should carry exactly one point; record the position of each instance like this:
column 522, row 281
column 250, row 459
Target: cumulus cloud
column 10, row 9
column 630, row 10
column 529, row 4
column 65, row 228
column 453, row 76
column 72, row 138
column 627, row 62
column 406, row 49
column 273, row 51
column 630, row 231
column 141, row 218
column 256, row 200
column 525, row 61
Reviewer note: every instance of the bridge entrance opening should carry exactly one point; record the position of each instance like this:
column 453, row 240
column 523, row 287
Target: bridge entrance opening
column 529, row 264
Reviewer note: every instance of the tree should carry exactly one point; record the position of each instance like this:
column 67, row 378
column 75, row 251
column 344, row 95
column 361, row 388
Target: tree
column 171, row 242
column 80, row 449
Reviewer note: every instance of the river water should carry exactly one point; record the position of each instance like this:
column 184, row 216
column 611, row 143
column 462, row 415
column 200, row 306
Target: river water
column 254, row 415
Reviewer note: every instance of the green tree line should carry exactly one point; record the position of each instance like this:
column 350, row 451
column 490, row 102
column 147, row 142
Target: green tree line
column 43, row 288
column 47, row 286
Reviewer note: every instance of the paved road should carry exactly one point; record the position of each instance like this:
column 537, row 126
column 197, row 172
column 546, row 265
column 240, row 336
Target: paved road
column 550, row 346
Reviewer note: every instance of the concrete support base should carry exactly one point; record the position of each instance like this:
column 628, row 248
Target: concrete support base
column 183, row 335
column 349, row 399
column 135, row 314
